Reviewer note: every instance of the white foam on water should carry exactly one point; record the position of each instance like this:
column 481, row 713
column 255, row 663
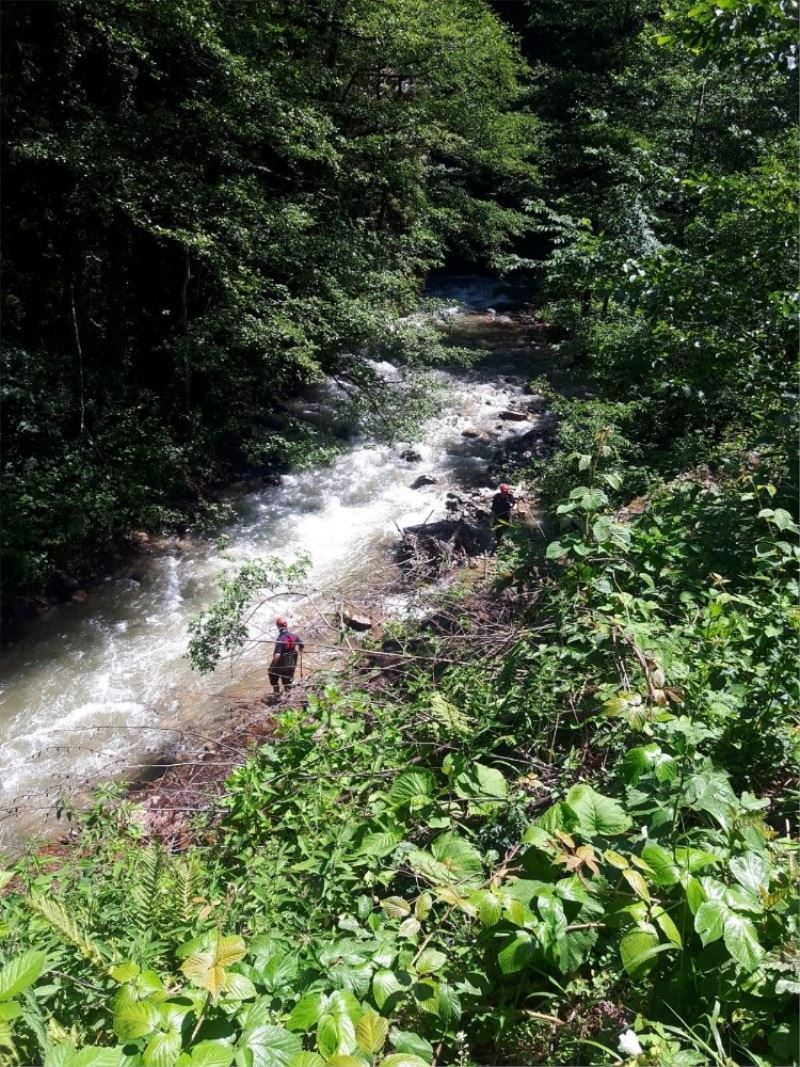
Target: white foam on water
column 92, row 686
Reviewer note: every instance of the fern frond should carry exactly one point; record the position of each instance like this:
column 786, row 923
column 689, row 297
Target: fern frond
column 54, row 912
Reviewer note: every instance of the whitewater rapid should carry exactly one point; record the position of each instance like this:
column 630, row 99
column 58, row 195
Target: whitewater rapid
column 98, row 688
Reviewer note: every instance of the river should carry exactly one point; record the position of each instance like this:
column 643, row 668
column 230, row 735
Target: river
column 100, row 688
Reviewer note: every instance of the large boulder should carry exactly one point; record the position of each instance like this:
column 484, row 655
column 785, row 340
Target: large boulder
column 356, row 620
column 410, row 455
column 424, row 479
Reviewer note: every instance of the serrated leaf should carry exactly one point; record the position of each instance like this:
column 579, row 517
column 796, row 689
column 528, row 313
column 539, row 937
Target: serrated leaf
column 461, row 859
column 270, row 1045
column 239, row 987
column 306, row 1012
column 709, row 920
column 396, row 907
column 742, row 941
column 407, row 1041
column 490, row 908
column 661, row 863
column 381, row 844
column 411, row 786
column 410, row 927
column 163, row 1050
column 384, row 983
column 307, row 1059
column 430, row 961
column 751, row 870
column 596, row 814
column 20, row 973
column 336, row 1034
column 371, row 1032
column 134, row 1020
column 211, row 1054
column 423, row 905
column 403, row 1059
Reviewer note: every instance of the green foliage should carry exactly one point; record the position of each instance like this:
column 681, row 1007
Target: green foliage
column 206, row 211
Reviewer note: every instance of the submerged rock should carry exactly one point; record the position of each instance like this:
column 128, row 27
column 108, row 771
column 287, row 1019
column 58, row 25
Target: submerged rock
column 410, row 455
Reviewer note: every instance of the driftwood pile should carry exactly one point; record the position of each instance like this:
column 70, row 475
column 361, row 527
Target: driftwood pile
column 436, row 546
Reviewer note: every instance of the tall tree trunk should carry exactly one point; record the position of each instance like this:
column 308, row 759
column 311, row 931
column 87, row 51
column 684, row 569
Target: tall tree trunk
column 187, row 365
column 79, row 351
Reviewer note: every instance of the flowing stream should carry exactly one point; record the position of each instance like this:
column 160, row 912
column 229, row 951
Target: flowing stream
column 99, row 688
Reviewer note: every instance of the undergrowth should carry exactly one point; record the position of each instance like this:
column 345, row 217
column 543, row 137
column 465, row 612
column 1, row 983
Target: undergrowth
column 581, row 852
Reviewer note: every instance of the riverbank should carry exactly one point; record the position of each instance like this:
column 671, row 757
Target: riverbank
column 100, row 688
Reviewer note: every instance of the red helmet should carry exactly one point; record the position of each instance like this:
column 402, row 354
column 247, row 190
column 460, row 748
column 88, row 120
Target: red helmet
column 505, row 488
column 280, row 621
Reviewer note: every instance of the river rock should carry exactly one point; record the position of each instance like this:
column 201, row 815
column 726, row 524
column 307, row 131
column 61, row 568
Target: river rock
column 470, row 433
column 424, row 479
column 536, row 403
column 513, row 416
column 410, row 455
column 272, row 479
column 62, row 585
column 356, row 620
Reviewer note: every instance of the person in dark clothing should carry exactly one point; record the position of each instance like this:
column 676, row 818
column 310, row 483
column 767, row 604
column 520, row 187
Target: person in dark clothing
column 503, row 504
column 284, row 658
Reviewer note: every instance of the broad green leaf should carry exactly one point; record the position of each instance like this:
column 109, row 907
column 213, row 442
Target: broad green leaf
column 371, row 1032
column 277, row 971
column 270, row 1045
column 396, row 907
column 384, row 983
column 407, row 1041
column 423, row 905
column 490, row 908
column 461, row 859
column 430, row 961
column 668, row 927
column 211, row 1054
column 307, row 1059
column 595, row 813
column 709, row 921
column 20, row 973
column 742, row 941
column 448, row 1003
column 336, row 1034
column 410, row 927
column 381, row 844
column 637, row 883
column 403, row 1059
column 411, row 786
column 661, row 863
column 239, row 987
column 306, row 1012
column 555, row 550
column 163, row 1050
column 636, row 949
column 752, row 871
column 517, row 953
column 479, row 782
column 137, row 1019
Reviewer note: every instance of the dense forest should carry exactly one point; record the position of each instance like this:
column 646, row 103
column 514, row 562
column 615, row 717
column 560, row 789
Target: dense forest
column 578, row 845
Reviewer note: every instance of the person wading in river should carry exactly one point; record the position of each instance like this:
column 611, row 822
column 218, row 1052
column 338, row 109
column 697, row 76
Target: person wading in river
column 284, row 658
column 503, row 503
